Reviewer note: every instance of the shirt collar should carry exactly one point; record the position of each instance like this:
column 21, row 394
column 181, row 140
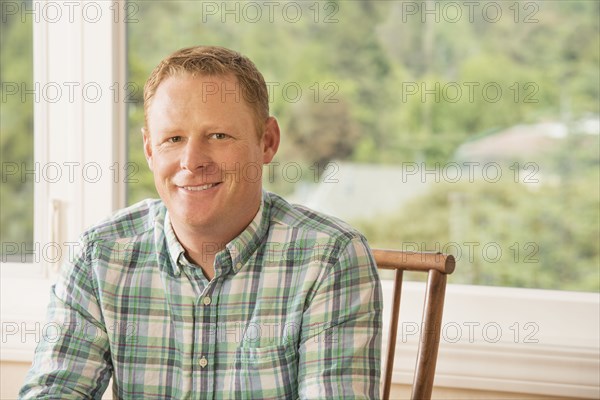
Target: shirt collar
column 237, row 251
column 246, row 243
column 176, row 250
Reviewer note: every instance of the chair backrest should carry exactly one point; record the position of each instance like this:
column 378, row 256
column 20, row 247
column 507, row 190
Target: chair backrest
column 437, row 266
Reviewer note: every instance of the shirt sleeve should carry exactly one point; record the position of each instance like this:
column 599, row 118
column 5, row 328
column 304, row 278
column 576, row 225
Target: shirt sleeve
column 340, row 345
column 72, row 359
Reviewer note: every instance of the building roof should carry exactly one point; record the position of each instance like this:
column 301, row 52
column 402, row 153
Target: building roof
column 360, row 191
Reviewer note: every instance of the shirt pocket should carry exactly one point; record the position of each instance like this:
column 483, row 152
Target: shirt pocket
column 265, row 373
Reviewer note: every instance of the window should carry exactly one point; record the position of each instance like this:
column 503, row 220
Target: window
column 54, row 167
column 470, row 129
column 16, row 138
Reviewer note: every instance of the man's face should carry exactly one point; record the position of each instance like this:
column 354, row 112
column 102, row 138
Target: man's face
column 205, row 154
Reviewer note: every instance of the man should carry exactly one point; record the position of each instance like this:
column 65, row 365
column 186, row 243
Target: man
column 219, row 289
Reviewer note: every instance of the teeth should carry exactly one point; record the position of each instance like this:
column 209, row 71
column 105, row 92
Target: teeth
column 199, row 188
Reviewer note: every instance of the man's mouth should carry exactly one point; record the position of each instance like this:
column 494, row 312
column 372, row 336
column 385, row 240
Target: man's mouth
column 200, row 188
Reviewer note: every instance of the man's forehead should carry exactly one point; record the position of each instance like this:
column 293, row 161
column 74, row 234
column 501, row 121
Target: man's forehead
column 179, row 90
column 187, row 97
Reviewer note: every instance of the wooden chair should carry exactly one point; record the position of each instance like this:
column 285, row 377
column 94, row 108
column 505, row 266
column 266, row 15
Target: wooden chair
column 438, row 266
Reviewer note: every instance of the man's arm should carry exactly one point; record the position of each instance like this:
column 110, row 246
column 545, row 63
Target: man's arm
column 72, row 360
column 340, row 347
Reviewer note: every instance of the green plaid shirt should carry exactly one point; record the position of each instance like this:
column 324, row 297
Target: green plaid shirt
column 294, row 311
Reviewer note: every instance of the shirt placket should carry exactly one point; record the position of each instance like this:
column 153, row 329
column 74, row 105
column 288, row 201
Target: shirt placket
column 204, row 344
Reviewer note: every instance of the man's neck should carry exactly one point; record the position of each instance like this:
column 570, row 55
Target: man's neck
column 202, row 245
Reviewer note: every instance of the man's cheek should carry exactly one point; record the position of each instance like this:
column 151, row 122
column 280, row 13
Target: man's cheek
column 251, row 172
column 212, row 170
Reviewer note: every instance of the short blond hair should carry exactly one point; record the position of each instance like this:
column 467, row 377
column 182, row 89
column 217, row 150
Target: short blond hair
column 213, row 61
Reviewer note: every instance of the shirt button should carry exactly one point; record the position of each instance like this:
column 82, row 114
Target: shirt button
column 206, row 301
column 203, row 362
column 238, row 265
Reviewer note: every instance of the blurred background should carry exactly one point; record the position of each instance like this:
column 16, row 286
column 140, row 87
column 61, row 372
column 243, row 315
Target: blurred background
column 472, row 130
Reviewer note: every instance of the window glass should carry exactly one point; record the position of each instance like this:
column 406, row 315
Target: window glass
column 465, row 127
column 16, row 135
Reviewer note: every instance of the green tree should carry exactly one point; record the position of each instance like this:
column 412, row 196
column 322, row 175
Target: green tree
column 16, row 131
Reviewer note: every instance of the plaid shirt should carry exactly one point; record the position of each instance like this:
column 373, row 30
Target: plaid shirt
column 294, row 311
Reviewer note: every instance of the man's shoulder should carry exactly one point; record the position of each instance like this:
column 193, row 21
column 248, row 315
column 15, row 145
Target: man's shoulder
column 129, row 222
column 296, row 216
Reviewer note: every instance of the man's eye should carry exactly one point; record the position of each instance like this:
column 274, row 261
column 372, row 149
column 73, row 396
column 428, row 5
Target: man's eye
column 219, row 136
column 174, row 139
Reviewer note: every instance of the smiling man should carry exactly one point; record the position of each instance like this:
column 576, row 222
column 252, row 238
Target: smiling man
column 204, row 148
column 219, row 289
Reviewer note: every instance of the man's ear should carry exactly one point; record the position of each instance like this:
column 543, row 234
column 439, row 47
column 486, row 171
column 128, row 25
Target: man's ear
column 147, row 147
column 270, row 139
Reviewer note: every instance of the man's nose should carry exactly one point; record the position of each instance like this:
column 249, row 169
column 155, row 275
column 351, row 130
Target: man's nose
column 195, row 156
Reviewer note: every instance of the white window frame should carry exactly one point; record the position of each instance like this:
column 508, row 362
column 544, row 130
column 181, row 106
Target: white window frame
column 564, row 363
column 77, row 135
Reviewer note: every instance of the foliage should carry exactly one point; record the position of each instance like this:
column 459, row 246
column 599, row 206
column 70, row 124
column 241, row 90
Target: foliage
column 509, row 233
column 322, row 132
column 367, row 58
column 16, row 134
